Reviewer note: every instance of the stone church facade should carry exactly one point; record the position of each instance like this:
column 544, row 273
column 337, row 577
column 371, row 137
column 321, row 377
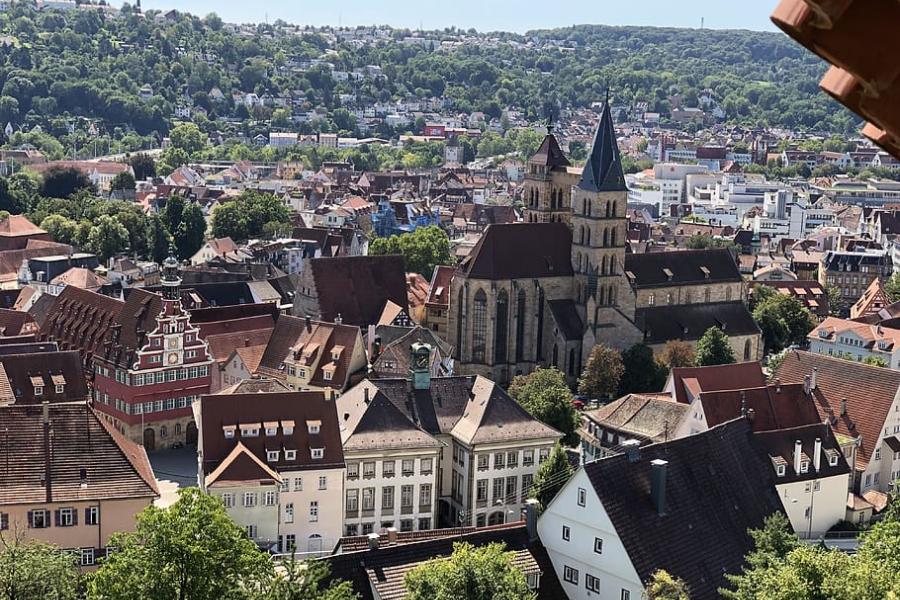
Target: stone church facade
column 545, row 291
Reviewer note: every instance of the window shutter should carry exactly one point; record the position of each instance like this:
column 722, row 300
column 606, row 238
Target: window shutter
column 4, row 521
column 87, row 516
column 56, row 518
column 30, row 518
column 74, row 516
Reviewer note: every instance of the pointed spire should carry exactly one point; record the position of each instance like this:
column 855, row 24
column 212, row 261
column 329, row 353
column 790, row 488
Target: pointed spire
column 549, row 153
column 603, row 169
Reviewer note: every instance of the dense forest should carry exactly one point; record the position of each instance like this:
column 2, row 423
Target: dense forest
column 60, row 69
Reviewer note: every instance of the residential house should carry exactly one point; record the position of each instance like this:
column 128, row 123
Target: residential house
column 276, row 462
column 852, row 340
column 16, row 231
column 35, row 373
column 809, row 292
column 851, row 273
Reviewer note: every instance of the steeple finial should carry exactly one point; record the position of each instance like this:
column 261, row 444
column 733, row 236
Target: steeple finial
column 549, row 124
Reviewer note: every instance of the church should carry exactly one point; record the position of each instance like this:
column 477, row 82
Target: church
column 545, row 291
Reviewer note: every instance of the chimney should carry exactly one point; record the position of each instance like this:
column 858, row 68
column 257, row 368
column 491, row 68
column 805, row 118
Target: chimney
column 798, row 453
column 338, row 319
column 308, row 323
column 246, row 342
column 48, row 485
column 743, row 403
column 806, row 384
column 751, row 414
column 532, row 507
column 815, row 376
column 392, row 535
column 817, row 459
column 843, row 407
column 658, row 468
column 632, row 450
column 373, row 541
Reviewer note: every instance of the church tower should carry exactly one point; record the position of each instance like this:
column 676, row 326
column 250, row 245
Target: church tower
column 548, row 183
column 598, row 231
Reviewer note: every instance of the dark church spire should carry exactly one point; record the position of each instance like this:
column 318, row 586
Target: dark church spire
column 603, row 169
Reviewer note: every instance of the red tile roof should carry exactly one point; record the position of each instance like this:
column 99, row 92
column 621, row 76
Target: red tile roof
column 715, row 378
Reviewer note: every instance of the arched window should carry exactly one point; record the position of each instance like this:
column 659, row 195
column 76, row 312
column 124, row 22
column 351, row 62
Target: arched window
column 613, row 208
column 520, row 326
column 608, row 209
column 315, row 543
column 581, row 234
column 572, row 367
column 584, row 206
column 459, row 322
column 589, row 208
column 605, row 237
column 747, row 350
column 588, row 236
column 603, row 268
column 501, row 327
column 555, row 356
column 602, row 298
column 539, row 352
column 612, row 237
column 479, row 326
column 611, row 297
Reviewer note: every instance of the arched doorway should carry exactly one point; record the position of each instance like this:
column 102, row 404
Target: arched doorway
column 496, row 518
column 191, row 434
column 315, row 543
column 149, row 439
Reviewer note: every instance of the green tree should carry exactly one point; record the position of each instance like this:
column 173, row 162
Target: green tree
column 546, row 396
column 677, row 353
column 714, row 348
column 875, row 361
column 143, row 165
column 160, row 239
column 60, row 228
column 551, row 476
column 642, row 372
column 663, row 586
column 423, row 249
column 892, row 288
column 771, row 545
column 474, row 573
column 188, row 137
column 37, row 570
column 836, row 303
column 306, row 580
column 108, row 237
column 783, row 320
column 602, row 373
column 250, row 215
column 191, row 550
column 191, row 232
column 124, row 182
column 63, row 182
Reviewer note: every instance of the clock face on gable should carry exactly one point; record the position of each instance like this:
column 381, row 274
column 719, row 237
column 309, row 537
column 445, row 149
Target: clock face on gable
column 173, row 358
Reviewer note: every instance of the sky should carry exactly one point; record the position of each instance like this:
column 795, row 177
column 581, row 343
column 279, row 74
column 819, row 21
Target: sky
column 487, row 15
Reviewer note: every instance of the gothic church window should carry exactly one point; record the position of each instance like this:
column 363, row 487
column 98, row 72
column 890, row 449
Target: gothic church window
column 520, row 326
column 479, row 326
column 501, row 327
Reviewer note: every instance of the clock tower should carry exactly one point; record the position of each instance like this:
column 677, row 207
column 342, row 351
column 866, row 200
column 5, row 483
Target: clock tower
column 420, row 370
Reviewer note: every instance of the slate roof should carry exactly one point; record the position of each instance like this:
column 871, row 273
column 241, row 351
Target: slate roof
column 717, row 488
column 686, row 266
column 869, row 392
column 603, row 169
column 129, row 329
column 549, row 154
column 114, row 467
column 358, row 287
column 521, row 251
column 23, row 371
column 385, row 568
column 780, row 444
column 241, row 467
column 690, row 321
column 566, row 317
column 234, row 409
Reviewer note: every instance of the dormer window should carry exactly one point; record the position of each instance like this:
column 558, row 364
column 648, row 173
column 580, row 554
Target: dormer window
column 271, row 429
column 249, row 430
column 833, row 460
column 290, row 455
column 327, row 374
column 317, row 453
column 272, row 455
column 287, row 427
column 38, row 390
column 779, row 470
column 804, row 466
column 228, row 430
column 313, row 427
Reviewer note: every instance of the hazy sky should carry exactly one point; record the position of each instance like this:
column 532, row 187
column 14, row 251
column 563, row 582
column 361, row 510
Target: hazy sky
column 487, row 15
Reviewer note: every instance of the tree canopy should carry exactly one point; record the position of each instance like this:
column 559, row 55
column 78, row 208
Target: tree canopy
column 642, row 372
column 37, row 570
column 602, row 373
column 551, row 476
column 545, row 394
column 423, row 249
column 252, row 215
column 714, row 348
column 783, row 319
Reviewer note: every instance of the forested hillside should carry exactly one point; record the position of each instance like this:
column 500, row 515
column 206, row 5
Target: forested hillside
column 57, row 66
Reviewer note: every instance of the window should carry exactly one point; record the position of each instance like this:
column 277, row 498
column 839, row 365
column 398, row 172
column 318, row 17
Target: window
column 527, row 481
column 352, row 470
column 833, row 460
column 38, row 390
column 272, row 455
column 498, row 489
column 479, row 326
column 542, row 455
column 527, row 458
column 289, row 512
column 626, row 595
column 512, row 459
column 314, row 427
column 249, row 499
column 877, row 453
column 481, row 490
column 39, row 519
column 367, row 528
column 424, row 523
column 425, row 466
column 408, row 467
column 290, row 455
column 387, row 498
column 247, row 431
column 387, row 468
column 323, row 482
column 298, row 484
column 368, row 498
column 351, row 530
column 406, row 525
column 570, row 574
column 598, row 545
column 779, row 470
column 566, row 533
column 592, row 583
column 87, row 557
column 406, row 496
column 499, row 457
column 651, row 300
column 804, row 466
column 318, row 453
column 313, row 511
column 425, row 495
column 59, row 390
column 270, row 498
column 92, row 514
column 251, row 531
column 582, row 497
column 511, row 483
column 368, row 470
column 228, row 499
column 352, row 500
column 271, row 431
column 66, row 517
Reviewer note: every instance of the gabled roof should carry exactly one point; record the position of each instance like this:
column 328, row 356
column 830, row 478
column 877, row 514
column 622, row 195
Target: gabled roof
column 128, row 331
column 521, row 251
column 871, row 301
column 603, row 169
column 776, row 406
column 868, row 391
column 358, row 287
column 18, row 225
column 713, row 265
column 24, row 371
column 114, row 467
column 690, row 321
column 651, row 417
column 690, row 381
column 370, row 421
column 241, row 466
column 549, row 153
column 778, row 446
column 80, row 320
column 717, row 488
